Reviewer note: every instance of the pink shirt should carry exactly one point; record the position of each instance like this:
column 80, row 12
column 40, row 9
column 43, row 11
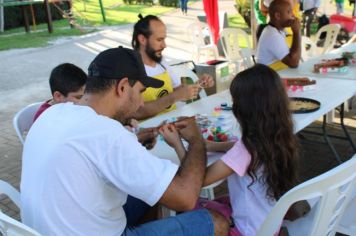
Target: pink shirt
column 250, row 205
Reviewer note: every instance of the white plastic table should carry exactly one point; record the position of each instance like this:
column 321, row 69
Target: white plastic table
column 329, row 92
column 305, row 69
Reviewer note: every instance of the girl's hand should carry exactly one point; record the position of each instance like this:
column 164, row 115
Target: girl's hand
column 170, row 135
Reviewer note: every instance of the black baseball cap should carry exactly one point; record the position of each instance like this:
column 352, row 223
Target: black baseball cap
column 118, row 63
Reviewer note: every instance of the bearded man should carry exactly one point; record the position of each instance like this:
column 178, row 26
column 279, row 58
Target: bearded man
column 149, row 39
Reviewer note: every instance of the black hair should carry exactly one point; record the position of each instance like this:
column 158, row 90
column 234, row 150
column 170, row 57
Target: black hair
column 142, row 26
column 66, row 78
column 100, row 84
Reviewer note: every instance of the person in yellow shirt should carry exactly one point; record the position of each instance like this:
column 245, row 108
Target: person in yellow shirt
column 272, row 48
column 149, row 39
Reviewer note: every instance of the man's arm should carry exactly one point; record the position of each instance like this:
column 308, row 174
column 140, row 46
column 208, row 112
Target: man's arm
column 293, row 57
column 184, row 190
column 152, row 108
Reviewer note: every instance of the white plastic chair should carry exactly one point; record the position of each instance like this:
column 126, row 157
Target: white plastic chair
column 230, row 38
column 23, row 120
column 333, row 191
column 307, row 42
column 230, row 42
column 331, row 30
column 348, row 220
column 207, row 49
column 8, row 225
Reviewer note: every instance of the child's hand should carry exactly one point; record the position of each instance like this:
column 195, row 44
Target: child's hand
column 147, row 137
column 170, row 135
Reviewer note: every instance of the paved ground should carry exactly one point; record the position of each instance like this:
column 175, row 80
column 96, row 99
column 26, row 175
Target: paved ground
column 24, row 80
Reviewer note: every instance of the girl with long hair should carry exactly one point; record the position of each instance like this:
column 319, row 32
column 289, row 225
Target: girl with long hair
column 262, row 166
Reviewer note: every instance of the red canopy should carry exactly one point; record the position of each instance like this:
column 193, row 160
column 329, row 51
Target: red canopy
column 212, row 17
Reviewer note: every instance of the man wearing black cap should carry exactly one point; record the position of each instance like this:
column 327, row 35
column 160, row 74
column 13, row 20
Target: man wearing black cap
column 80, row 163
column 149, row 39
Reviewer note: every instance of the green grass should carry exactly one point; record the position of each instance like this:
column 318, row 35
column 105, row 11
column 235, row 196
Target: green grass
column 87, row 13
column 37, row 39
column 116, row 12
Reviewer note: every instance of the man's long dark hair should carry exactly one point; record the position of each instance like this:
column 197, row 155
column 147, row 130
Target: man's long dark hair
column 142, row 26
column 260, row 104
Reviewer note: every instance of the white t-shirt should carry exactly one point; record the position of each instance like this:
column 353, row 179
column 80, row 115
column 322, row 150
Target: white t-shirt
column 271, row 46
column 309, row 4
column 159, row 68
column 78, row 168
column 249, row 204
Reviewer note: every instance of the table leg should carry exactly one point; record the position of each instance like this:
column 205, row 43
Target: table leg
column 327, row 140
column 348, row 137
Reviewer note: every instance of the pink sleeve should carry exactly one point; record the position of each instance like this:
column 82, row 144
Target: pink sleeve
column 237, row 158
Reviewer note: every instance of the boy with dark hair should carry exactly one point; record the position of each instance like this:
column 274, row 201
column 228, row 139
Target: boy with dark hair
column 67, row 83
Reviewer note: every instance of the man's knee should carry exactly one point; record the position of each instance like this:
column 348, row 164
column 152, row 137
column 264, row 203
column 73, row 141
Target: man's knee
column 221, row 225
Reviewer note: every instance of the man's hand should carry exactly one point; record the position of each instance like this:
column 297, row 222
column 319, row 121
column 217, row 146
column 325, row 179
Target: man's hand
column 296, row 26
column 189, row 130
column 206, row 81
column 147, row 137
column 186, row 92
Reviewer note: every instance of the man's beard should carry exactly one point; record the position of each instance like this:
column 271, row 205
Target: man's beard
column 151, row 53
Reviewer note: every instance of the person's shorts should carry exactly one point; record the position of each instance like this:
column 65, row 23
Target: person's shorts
column 192, row 223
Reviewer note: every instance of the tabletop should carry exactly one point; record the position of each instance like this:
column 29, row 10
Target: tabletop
column 329, row 92
column 306, row 68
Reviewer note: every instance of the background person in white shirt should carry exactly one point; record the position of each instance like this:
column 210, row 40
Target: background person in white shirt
column 272, row 46
column 80, row 163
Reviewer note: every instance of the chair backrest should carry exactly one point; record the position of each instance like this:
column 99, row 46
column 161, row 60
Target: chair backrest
column 331, row 30
column 201, row 37
column 308, row 43
column 8, row 225
column 230, row 39
column 334, row 190
column 198, row 34
column 347, row 224
column 23, row 120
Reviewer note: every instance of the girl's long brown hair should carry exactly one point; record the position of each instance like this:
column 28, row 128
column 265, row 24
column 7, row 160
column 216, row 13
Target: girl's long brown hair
column 260, row 104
